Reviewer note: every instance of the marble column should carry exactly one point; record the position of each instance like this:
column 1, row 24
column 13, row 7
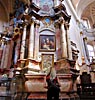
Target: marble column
column 69, row 50
column 23, row 42
column 58, row 42
column 10, row 53
column 94, row 47
column 33, row 64
column 6, row 55
column 86, row 49
column 36, row 49
column 31, row 42
column 3, row 55
column 17, row 49
column 63, row 39
column 82, row 46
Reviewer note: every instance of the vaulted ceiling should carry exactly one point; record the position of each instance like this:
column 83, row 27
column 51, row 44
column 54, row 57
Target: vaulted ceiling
column 84, row 8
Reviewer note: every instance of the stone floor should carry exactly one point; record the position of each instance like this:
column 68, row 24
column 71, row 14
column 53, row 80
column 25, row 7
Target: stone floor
column 41, row 96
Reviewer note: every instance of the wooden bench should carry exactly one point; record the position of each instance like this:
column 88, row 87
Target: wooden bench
column 86, row 91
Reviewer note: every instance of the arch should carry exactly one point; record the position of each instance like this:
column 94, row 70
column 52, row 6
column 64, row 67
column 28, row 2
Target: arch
column 90, row 51
column 5, row 9
column 82, row 4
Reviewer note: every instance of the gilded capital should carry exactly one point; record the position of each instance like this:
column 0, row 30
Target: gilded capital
column 56, row 24
column 61, row 20
column 67, row 26
column 85, row 38
column 81, row 33
column 37, row 22
column 25, row 24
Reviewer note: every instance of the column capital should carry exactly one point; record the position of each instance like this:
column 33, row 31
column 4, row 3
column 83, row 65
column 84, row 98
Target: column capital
column 33, row 19
column 85, row 38
column 25, row 24
column 81, row 33
column 67, row 25
column 61, row 20
column 56, row 24
column 37, row 22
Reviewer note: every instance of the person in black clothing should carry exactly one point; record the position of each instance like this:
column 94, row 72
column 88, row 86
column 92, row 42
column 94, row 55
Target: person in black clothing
column 53, row 85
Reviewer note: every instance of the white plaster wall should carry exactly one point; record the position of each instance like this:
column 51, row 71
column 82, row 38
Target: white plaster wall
column 82, row 4
column 74, row 30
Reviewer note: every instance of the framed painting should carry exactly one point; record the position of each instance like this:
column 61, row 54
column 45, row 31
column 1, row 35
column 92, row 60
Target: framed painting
column 47, row 43
column 47, row 61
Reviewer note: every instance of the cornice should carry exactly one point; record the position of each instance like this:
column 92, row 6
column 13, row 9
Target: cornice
column 34, row 7
column 60, row 7
column 59, row 11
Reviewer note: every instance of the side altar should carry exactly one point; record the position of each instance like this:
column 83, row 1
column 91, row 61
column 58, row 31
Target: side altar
column 45, row 42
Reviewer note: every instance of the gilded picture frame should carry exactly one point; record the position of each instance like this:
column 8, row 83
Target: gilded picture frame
column 47, row 61
column 47, row 43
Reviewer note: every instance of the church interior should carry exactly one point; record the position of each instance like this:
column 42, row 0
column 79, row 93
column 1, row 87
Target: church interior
column 38, row 34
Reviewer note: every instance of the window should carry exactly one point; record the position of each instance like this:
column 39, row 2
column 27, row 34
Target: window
column 86, row 23
column 91, row 52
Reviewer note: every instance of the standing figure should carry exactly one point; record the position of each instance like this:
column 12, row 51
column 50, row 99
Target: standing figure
column 53, row 84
